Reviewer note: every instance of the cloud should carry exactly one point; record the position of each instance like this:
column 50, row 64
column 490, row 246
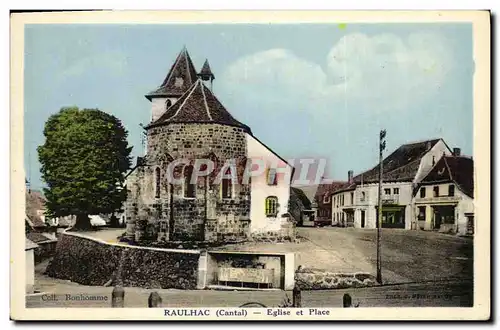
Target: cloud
column 113, row 62
column 384, row 72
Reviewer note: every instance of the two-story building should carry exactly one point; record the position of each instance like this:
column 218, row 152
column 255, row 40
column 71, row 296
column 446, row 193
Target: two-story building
column 323, row 201
column 356, row 204
column 444, row 199
column 343, row 202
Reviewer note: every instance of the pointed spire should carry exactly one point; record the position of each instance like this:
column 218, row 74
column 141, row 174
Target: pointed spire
column 179, row 79
column 206, row 73
column 198, row 105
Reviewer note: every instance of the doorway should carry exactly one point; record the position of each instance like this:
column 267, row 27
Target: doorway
column 443, row 215
column 362, row 219
column 470, row 224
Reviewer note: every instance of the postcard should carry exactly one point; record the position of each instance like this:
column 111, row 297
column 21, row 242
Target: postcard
column 198, row 165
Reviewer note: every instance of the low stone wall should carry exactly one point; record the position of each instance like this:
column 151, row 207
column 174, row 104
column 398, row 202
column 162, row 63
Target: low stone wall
column 45, row 250
column 316, row 279
column 89, row 261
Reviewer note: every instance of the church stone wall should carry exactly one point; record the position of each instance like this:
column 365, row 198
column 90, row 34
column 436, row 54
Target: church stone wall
column 185, row 140
column 207, row 217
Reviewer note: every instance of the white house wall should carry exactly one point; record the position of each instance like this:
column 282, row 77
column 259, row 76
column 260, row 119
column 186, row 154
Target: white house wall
column 260, row 190
column 159, row 106
column 371, row 202
column 426, row 163
column 463, row 204
column 30, row 270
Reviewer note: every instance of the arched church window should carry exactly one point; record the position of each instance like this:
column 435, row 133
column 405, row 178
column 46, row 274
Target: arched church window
column 168, row 103
column 189, row 187
column 271, row 206
column 158, row 182
column 227, row 186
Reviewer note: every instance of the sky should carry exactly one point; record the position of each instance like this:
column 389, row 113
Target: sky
column 306, row 90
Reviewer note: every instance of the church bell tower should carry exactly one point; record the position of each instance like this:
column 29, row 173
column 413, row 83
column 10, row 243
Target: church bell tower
column 206, row 74
column 180, row 78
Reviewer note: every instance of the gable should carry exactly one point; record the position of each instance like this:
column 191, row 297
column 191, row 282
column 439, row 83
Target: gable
column 458, row 170
column 401, row 165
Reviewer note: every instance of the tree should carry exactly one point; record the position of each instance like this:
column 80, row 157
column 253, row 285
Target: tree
column 84, row 160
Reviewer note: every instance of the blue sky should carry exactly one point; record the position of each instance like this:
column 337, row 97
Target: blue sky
column 306, row 90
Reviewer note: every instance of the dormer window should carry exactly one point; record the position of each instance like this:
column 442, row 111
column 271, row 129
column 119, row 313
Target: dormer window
column 168, row 104
column 179, row 82
column 326, row 199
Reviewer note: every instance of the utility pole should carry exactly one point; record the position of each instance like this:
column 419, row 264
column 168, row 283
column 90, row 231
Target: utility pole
column 379, row 218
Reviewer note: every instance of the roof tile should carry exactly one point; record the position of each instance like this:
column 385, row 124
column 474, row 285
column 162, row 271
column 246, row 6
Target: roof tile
column 453, row 169
column 199, row 105
column 181, row 76
column 401, row 165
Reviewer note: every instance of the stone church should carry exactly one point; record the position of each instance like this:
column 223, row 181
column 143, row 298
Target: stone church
column 188, row 122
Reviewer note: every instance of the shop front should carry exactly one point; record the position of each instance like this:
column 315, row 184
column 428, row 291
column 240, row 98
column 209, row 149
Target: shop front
column 393, row 216
column 443, row 218
column 349, row 216
column 438, row 216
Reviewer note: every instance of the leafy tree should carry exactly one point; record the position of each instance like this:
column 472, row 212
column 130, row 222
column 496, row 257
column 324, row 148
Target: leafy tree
column 84, row 160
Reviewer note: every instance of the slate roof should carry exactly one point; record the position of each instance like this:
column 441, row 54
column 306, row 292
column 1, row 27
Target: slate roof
column 299, row 195
column 328, row 189
column 198, row 105
column 342, row 187
column 206, row 71
column 28, row 245
column 400, row 165
column 38, row 237
column 459, row 170
column 181, row 76
column 34, row 202
column 308, row 190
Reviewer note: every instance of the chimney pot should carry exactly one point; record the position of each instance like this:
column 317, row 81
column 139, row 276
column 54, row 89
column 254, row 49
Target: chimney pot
column 350, row 175
column 456, row 152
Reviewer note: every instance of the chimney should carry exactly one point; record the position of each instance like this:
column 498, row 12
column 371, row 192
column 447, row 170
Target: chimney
column 456, row 152
column 350, row 175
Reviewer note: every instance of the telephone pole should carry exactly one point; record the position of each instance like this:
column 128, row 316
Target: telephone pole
column 379, row 217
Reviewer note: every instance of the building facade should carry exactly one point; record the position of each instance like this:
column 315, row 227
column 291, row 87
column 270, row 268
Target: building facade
column 168, row 201
column 444, row 199
column 324, row 202
column 356, row 204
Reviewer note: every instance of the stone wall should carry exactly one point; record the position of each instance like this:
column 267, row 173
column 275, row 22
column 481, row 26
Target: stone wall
column 317, row 279
column 92, row 262
column 207, row 217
